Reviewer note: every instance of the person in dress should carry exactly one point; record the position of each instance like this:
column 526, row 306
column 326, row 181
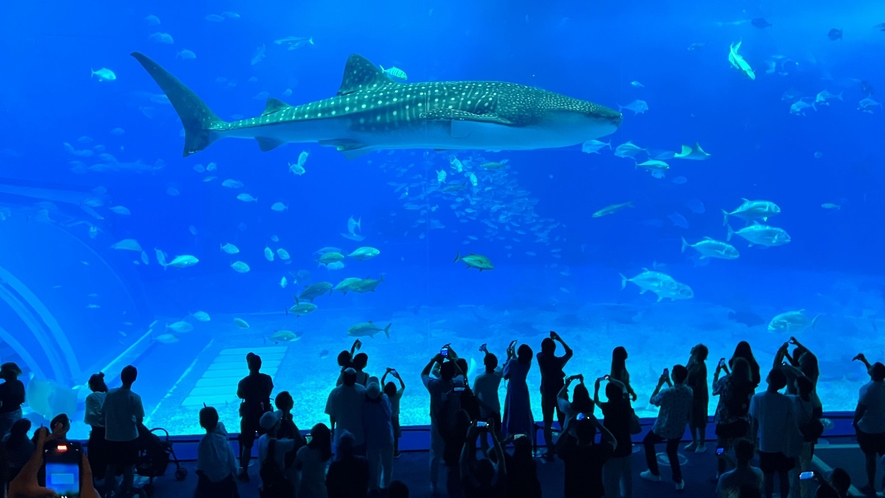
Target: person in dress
column 517, row 405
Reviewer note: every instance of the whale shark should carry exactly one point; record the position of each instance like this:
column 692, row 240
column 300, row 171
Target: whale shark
column 373, row 112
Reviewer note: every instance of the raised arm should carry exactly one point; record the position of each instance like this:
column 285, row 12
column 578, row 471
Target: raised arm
column 468, row 453
column 605, row 433
column 568, row 351
column 501, row 464
column 356, row 347
column 863, row 359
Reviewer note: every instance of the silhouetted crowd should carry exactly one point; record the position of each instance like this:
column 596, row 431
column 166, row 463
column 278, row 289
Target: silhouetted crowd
column 480, row 447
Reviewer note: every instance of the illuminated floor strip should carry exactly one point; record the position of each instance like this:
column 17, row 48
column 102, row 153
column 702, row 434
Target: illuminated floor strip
column 218, row 385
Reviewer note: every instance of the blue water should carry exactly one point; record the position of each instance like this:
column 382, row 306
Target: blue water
column 74, row 306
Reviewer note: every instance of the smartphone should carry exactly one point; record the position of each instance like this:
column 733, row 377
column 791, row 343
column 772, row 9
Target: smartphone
column 667, row 372
column 722, row 361
column 444, row 352
column 806, row 475
column 308, row 438
column 458, row 389
column 581, row 416
column 482, row 425
column 61, row 468
column 604, row 377
column 720, row 451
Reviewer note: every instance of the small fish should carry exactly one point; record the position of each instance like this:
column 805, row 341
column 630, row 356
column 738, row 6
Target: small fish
column 243, row 324
column 284, row 282
column 185, row 55
column 637, row 84
column 695, row 206
column 593, row 146
column 637, row 106
column 737, row 61
column 283, row 254
column 201, row 316
column 678, row 220
column 395, row 73
column 104, row 74
column 230, row 248
column 166, row 338
column 268, row 253
column 279, row 207
column 240, row 267
column 152, row 20
column 214, row 18
column 144, row 258
column 258, row 55
column 287, row 93
column 121, row 210
column 798, row 108
column 324, row 353
column 834, row 34
column 246, row 197
column 824, row 97
column 831, row 206
column 866, row 105
column 181, row 327
column 760, row 23
column 161, row 257
column 697, row 46
column 612, row 209
column 441, row 176
column 159, row 37
column 232, row 183
column 628, row 150
column 117, row 132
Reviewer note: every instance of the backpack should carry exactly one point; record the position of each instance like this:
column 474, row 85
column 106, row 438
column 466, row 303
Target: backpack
column 273, row 480
column 448, row 412
column 738, row 400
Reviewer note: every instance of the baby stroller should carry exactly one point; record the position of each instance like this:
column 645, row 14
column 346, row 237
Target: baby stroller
column 154, row 455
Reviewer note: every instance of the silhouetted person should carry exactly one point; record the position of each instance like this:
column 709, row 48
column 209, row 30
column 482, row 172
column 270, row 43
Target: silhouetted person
column 837, row 486
column 617, row 415
column 360, row 361
column 123, row 413
column 216, row 463
column 744, row 475
column 378, row 429
column 94, row 418
column 675, row 404
column 394, row 395
column 517, row 405
column 584, row 458
column 19, row 448
column 732, row 411
column 522, row 471
column 619, row 370
column 437, row 387
column 869, row 419
column 348, row 475
column 12, row 396
column 311, row 461
column 743, row 350
column 254, row 390
column 344, row 406
column 772, row 414
column 552, row 381
column 482, row 478
column 485, row 387
column 700, row 400
column 275, row 477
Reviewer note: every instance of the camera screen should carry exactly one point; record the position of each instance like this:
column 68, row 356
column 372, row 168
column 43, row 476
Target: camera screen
column 64, row 479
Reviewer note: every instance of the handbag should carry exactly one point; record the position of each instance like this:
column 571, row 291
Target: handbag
column 635, row 423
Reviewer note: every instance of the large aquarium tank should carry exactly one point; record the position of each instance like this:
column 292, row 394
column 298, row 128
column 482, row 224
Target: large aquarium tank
column 185, row 183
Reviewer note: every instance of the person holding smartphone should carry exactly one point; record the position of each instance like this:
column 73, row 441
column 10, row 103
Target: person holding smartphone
column 552, row 376
column 27, row 483
column 869, row 419
column 486, row 387
column 675, row 405
column 836, row 486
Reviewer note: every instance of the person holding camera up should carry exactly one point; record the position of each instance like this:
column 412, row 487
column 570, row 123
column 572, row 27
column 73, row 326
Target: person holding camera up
column 675, row 403
column 551, row 367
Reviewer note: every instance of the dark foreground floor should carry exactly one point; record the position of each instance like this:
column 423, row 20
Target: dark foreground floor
column 412, row 468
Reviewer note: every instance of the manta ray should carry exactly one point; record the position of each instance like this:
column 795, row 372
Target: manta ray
column 373, row 112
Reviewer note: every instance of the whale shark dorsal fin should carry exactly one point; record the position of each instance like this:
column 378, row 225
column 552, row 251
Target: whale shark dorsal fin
column 274, row 105
column 360, row 74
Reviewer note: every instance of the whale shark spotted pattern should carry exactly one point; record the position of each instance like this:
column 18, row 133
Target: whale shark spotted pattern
column 373, row 112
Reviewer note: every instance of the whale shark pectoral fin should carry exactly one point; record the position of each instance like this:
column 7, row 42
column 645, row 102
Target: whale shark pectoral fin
column 266, row 144
column 351, row 149
column 274, row 105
